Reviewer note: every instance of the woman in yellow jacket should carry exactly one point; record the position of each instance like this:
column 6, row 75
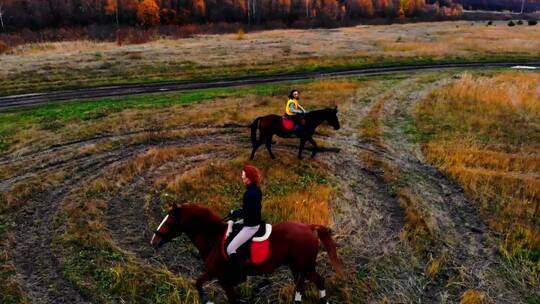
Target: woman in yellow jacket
column 294, row 110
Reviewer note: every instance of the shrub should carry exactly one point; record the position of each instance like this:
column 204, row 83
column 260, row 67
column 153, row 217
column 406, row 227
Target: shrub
column 134, row 36
column 511, row 23
column 520, row 22
column 3, row 47
column 240, row 34
column 189, row 30
column 490, row 23
column 532, row 22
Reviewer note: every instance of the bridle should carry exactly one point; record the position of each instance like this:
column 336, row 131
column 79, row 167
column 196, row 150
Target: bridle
column 162, row 235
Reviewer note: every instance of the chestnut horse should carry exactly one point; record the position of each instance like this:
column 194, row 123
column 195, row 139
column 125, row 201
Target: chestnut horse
column 271, row 125
column 291, row 243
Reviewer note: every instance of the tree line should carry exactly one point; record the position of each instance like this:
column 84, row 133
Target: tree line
column 19, row 14
column 499, row 5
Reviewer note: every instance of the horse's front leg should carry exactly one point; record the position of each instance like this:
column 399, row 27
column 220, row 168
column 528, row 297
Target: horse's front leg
column 229, row 291
column 315, row 148
column 302, row 144
column 199, row 285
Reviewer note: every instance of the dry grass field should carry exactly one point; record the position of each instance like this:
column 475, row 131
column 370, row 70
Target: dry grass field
column 51, row 66
column 485, row 133
column 83, row 185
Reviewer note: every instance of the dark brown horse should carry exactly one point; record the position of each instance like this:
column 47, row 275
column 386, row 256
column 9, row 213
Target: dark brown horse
column 291, row 243
column 271, row 125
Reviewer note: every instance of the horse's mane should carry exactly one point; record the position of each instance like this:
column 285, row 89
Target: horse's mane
column 203, row 215
column 319, row 111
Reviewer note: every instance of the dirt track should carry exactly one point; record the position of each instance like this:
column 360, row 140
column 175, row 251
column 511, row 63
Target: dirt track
column 34, row 99
column 367, row 216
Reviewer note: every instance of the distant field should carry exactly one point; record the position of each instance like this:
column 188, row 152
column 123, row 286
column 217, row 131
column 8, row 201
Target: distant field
column 83, row 185
column 53, row 66
column 485, row 133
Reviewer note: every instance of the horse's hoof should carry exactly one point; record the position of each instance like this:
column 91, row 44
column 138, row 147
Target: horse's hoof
column 204, row 299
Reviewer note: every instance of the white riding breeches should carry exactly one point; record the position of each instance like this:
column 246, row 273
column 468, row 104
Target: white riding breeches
column 243, row 236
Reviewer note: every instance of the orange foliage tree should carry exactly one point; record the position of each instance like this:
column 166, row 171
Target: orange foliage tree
column 148, row 13
column 385, row 7
column 415, row 7
column 363, row 8
column 111, row 7
column 199, row 8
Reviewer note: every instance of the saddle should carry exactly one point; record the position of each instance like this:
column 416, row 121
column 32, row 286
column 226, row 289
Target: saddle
column 256, row 250
column 288, row 123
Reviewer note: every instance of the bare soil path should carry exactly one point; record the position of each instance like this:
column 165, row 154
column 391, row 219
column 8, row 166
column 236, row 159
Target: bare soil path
column 34, row 99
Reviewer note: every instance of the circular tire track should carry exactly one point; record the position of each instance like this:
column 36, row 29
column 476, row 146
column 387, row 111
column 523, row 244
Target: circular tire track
column 364, row 194
column 36, row 265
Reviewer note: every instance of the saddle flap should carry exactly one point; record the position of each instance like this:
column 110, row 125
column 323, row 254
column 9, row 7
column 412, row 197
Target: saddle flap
column 260, row 251
column 257, row 250
column 288, row 123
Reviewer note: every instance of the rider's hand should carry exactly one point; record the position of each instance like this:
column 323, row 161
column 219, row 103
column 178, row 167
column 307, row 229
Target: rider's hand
column 236, row 213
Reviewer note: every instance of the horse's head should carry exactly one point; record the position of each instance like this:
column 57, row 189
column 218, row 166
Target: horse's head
column 188, row 218
column 169, row 227
column 332, row 118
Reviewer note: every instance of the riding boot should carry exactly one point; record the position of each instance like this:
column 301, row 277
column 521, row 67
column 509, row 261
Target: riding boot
column 296, row 131
column 235, row 271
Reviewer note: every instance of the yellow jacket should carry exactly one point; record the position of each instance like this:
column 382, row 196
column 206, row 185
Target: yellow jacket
column 296, row 108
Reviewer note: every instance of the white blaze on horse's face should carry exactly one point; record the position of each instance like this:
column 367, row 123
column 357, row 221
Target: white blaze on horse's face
column 159, row 228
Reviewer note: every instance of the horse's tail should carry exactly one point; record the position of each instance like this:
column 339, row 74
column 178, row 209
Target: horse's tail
column 325, row 235
column 254, row 126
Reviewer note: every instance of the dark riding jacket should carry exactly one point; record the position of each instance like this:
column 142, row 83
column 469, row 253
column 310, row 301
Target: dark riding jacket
column 251, row 207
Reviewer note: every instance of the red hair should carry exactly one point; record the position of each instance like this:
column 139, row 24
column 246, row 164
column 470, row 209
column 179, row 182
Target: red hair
column 253, row 174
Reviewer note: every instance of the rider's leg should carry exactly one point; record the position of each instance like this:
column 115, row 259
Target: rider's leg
column 297, row 125
column 235, row 270
column 243, row 236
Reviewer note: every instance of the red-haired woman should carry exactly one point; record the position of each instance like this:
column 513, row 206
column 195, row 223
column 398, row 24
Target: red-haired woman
column 251, row 214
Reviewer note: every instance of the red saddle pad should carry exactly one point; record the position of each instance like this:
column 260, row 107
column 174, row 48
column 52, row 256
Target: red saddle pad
column 288, row 123
column 260, row 251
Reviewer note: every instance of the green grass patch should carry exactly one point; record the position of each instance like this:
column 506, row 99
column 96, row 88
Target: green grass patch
column 106, row 274
column 108, row 74
column 99, row 108
column 55, row 117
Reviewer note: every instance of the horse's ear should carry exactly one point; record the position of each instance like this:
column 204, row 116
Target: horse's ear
column 335, row 109
column 176, row 208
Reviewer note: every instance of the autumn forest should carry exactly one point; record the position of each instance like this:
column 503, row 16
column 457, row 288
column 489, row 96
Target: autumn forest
column 19, row 14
